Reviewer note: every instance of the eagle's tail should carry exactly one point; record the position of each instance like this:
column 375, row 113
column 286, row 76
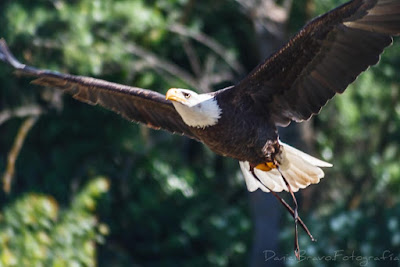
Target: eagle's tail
column 299, row 169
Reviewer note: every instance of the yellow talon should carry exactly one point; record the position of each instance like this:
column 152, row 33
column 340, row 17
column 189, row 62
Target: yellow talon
column 267, row 166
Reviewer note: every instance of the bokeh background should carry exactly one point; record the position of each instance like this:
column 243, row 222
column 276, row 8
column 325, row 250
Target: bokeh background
column 83, row 187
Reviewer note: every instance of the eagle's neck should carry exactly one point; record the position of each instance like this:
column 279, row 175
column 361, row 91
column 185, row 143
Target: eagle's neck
column 201, row 115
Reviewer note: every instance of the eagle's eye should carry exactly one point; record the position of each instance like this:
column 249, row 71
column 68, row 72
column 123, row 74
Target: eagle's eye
column 186, row 95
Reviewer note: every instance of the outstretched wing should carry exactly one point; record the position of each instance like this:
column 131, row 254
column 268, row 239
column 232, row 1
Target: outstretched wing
column 135, row 104
column 321, row 60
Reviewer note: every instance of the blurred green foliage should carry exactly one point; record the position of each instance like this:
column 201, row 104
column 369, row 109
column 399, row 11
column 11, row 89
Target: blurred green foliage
column 168, row 204
column 172, row 202
column 36, row 231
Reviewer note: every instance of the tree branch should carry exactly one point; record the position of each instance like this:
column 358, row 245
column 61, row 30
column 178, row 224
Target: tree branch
column 210, row 43
column 155, row 62
column 14, row 152
column 31, row 110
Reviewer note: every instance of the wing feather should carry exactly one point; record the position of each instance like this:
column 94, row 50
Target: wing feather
column 135, row 104
column 321, row 60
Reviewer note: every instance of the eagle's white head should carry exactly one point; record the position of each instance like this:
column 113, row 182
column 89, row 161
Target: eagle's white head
column 196, row 110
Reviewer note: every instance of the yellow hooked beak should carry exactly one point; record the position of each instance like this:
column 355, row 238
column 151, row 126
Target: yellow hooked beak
column 174, row 95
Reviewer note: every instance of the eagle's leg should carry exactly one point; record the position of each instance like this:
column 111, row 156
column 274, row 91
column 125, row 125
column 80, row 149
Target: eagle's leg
column 284, row 203
column 302, row 224
column 295, row 216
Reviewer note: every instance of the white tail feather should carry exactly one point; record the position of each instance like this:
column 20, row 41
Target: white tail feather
column 251, row 183
column 299, row 169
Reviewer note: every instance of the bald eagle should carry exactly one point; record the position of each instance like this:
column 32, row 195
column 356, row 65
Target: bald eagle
column 241, row 121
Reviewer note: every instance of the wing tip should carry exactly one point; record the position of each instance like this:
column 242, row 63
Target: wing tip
column 7, row 56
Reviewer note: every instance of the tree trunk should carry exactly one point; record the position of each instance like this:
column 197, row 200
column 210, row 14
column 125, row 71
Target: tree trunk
column 271, row 29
